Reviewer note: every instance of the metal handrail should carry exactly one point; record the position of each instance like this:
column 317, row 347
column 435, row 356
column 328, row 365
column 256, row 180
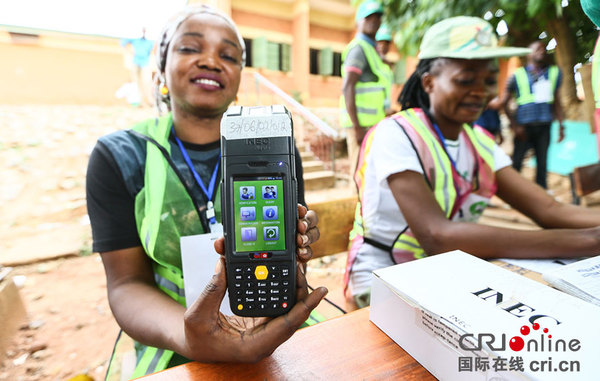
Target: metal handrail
column 306, row 113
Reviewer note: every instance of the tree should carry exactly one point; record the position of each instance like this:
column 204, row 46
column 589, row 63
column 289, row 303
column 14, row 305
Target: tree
column 527, row 20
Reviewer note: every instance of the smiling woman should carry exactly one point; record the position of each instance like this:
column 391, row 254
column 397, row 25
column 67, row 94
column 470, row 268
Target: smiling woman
column 149, row 186
column 426, row 174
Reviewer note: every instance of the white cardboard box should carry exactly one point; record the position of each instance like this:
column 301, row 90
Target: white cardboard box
column 437, row 309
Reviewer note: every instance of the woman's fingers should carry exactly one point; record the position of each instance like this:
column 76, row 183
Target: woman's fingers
column 283, row 327
column 220, row 245
column 304, row 254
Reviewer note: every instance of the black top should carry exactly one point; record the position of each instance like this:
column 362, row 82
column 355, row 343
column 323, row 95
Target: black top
column 115, row 175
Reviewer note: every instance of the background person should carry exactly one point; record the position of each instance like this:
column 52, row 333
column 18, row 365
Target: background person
column 425, row 175
column 138, row 52
column 362, row 104
column 142, row 196
column 490, row 119
column 535, row 88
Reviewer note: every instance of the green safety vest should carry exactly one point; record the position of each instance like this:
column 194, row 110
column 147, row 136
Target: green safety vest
column 163, row 208
column 439, row 174
column 596, row 73
column 369, row 97
column 525, row 95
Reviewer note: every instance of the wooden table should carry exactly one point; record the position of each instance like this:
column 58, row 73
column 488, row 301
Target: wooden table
column 346, row 347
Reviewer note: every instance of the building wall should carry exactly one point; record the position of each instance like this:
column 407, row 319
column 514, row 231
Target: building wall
column 58, row 69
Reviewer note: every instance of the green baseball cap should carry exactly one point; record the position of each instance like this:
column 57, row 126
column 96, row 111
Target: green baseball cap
column 383, row 33
column 592, row 10
column 367, row 8
column 465, row 37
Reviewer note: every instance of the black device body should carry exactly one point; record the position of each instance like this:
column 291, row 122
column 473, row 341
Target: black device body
column 259, row 209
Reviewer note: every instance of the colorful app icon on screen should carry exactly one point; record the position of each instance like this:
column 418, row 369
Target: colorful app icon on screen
column 270, row 212
column 248, row 213
column 249, row 234
column 271, row 233
column 269, row 192
column 247, row 193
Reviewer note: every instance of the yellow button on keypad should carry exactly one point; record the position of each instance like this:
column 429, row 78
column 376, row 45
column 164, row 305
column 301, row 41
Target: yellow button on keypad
column 240, row 307
column 261, row 272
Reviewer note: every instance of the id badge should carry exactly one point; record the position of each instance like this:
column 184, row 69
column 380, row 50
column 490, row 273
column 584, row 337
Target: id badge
column 542, row 91
column 198, row 259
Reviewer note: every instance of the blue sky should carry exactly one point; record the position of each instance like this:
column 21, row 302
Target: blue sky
column 118, row 18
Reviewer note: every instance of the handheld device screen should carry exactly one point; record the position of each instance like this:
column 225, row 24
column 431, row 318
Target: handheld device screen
column 259, row 214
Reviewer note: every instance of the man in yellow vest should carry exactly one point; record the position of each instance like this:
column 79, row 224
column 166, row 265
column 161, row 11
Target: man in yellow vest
column 535, row 88
column 365, row 82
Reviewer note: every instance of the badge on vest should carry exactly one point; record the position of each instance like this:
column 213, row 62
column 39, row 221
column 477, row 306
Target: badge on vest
column 542, row 91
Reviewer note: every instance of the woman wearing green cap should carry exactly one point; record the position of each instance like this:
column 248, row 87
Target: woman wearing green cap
column 425, row 175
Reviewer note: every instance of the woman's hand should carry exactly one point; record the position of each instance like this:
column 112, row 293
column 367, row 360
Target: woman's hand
column 210, row 336
column 307, row 233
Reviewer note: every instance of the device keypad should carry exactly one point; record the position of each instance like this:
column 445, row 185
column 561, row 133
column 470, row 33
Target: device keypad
column 262, row 287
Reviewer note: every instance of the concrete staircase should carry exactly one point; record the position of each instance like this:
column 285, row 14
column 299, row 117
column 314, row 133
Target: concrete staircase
column 316, row 177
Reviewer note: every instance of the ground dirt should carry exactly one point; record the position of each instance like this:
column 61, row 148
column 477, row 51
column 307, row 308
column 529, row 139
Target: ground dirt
column 45, row 237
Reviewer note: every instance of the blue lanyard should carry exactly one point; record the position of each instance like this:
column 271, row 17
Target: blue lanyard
column 443, row 142
column 210, row 212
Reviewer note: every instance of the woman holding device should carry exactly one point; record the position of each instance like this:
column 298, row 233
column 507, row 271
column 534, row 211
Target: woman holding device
column 155, row 183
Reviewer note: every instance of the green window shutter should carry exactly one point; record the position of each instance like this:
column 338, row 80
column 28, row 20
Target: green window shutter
column 326, row 61
column 286, row 57
column 259, row 52
column 400, row 71
column 272, row 56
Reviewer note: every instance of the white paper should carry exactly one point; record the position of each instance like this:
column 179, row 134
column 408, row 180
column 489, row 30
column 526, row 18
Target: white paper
column 581, row 279
column 199, row 258
column 540, row 265
column 542, row 91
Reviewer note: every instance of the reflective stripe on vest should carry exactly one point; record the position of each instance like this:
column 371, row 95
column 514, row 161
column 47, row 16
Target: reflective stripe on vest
column 369, row 96
column 525, row 95
column 596, row 73
column 437, row 171
column 160, row 207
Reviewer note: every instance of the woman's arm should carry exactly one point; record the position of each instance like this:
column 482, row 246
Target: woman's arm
column 141, row 309
column 437, row 234
column 533, row 201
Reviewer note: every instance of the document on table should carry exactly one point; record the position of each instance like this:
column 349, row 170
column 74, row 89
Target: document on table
column 580, row 279
column 540, row 265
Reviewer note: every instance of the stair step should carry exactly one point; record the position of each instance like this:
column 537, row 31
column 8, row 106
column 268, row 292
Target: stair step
column 312, row 166
column 302, row 148
column 307, row 156
column 319, row 180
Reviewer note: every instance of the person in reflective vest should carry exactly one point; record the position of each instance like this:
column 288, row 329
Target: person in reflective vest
column 425, row 175
column 365, row 80
column 535, row 88
column 383, row 38
column 144, row 195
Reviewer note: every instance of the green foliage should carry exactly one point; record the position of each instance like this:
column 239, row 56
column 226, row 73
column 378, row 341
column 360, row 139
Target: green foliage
column 526, row 20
